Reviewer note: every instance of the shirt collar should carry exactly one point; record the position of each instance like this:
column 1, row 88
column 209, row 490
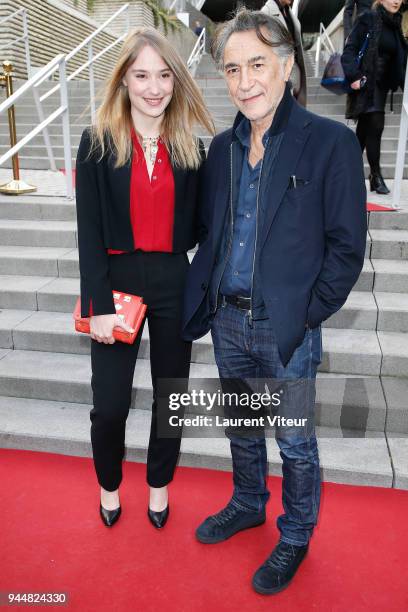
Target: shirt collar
column 242, row 126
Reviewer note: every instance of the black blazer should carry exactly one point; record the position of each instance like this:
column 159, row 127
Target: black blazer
column 312, row 243
column 103, row 215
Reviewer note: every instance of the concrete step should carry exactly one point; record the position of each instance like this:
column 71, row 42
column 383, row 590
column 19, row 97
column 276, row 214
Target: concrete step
column 387, row 171
column 31, row 150
column 22, row 292
column 390, row 275
column 341, row 402
column 41, row 162
column 389, row 244
column 28, row 114
column 55, row 329
column 347, row 351
column 37, row 208
column 60, row 427
column 48, row 261
column 394, row 347
column 37, row 261
column 38, row 233
column 392, row 312
column 392, row 220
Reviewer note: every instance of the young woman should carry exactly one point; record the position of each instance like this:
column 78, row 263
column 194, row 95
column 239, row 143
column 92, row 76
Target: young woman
column 136, row 192
column 382, row 69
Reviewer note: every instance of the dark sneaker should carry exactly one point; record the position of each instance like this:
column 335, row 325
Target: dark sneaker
column 228, row 521
column 278, row 570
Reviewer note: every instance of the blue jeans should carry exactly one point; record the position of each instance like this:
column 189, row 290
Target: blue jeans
column 247, row 351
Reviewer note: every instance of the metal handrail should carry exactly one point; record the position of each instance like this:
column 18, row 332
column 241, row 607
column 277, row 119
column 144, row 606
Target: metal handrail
column 57, row 63
column 91, row 58
column 197, row 53
column 323, row 39
column 402, row 147
column 24, row 37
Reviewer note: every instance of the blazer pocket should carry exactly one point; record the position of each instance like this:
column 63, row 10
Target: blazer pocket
column 301, row 191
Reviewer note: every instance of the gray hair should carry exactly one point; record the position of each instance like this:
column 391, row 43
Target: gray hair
column 245, row 20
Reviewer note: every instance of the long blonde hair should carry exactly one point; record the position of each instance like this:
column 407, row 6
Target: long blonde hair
column 112, row 128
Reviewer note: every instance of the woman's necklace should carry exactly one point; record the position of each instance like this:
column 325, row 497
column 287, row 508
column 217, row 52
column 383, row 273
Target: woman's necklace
column 151, row 147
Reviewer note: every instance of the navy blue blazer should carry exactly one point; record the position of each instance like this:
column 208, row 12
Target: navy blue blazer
column 312, row 243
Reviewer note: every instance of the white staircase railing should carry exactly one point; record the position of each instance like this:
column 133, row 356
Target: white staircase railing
column 180, row 5
column 24, row 37
column 197, row 53
column 92, row 58
column 402, row 147
column 58, row 63
column 323, row 40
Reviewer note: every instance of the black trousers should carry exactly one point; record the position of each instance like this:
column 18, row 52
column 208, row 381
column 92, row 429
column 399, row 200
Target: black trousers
column 159, row 278
column 370, row 127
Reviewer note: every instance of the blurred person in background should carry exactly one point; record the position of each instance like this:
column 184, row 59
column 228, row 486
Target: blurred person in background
column 353, row 9
column 281, row 9
column 382, row 70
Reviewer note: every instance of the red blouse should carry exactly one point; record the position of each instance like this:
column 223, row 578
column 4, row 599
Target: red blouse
column 151, row 201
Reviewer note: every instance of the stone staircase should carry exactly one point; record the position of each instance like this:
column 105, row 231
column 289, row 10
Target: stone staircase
column 45, row 395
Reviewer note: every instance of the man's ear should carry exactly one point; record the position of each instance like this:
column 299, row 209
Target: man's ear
column 289, row 66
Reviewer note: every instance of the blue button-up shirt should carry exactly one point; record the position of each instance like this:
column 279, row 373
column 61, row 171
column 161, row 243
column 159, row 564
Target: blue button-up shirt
column 237, row 277
column 232, row 257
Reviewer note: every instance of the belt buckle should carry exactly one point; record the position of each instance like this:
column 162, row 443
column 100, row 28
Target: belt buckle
column 243, row 302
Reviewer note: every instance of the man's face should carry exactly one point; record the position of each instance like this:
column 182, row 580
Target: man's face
column 255, row 75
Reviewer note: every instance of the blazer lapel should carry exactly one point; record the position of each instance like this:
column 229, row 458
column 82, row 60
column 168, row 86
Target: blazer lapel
column 273, row 188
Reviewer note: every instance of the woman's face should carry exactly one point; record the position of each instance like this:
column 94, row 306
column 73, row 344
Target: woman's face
column 392, row 6
column 150, row 83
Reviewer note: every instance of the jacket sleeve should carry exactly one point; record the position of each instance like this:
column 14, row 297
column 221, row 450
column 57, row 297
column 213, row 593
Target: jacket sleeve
column 353, row 47
column 96, row 290
column 345, row 220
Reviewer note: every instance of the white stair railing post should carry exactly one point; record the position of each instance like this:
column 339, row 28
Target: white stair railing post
column 45, row 132
column 318, row 49
column 402, row 147
column 197, row 53
column 91, row 81
column 66, row 127
column 128, row 24
column 26, row 43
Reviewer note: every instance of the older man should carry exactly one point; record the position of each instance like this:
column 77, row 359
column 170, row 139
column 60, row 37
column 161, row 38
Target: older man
column 283, row 234
column 281, row 9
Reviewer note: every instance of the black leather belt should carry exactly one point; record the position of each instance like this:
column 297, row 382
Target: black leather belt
column 244, row 303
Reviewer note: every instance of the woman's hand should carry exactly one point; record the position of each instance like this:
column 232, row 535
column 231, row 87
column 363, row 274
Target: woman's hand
column 102, row 327
column 356, row 85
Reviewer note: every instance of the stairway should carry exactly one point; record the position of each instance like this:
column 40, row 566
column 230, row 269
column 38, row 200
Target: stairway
column 45, row 395
column 34, row 155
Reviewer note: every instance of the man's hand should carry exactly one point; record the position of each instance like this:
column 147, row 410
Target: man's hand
column 102, row 326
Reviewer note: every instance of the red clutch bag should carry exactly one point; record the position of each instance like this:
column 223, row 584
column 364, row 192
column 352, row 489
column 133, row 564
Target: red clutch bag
column 130, row 308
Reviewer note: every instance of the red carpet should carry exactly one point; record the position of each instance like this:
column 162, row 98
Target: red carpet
column 377, row 208
column 53, row 540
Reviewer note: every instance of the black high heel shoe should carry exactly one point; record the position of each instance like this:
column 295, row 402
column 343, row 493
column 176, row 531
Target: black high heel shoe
column 158, row 519
column 109, row 517
column 377, row 184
